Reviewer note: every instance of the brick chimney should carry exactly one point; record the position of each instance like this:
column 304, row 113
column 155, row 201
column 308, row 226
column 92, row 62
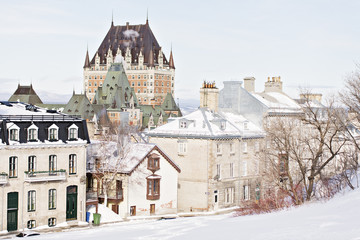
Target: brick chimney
column 209, row 96
column 273, row 85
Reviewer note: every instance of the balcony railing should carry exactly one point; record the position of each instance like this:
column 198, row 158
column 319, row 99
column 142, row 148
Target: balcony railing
column 44, row 176
column 4, row 178
column 113, row 195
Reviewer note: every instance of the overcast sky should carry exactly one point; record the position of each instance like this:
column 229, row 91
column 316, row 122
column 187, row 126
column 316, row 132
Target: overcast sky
column 313, row 44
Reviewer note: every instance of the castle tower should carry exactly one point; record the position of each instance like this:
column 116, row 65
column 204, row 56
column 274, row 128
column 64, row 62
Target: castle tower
column 149, row 72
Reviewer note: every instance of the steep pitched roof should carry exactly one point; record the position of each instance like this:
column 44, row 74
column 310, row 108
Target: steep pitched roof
column 79, row 105
column 136, row 37
column 87, row 61
column 115, row 92
column 169, row 104
column 25, row 94
column 171, row 61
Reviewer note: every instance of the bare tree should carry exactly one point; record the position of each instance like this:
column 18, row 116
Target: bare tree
column 106, row 155
column 304, row 148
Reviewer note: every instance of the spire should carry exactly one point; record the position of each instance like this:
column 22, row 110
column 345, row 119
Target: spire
column 147, row 16
column 87, row 61
column 171, row 60
column 112, row 18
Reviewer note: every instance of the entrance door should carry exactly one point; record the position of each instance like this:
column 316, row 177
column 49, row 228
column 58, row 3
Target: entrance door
column 12, row 211
column 115, row 208
column 71, row 203
column 216, row 200
column 152, row 208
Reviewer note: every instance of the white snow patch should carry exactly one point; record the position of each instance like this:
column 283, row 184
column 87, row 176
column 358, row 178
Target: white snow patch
column 107, row 215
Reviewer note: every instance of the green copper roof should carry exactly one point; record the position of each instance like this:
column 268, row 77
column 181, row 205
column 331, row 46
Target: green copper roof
column 115, row 92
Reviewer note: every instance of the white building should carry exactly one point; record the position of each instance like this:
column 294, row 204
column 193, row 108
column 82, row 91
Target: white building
column 216, row 152
column 43, row 173
column 145, row 182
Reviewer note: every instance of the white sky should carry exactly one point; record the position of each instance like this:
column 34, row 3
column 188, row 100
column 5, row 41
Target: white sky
column 308, row 43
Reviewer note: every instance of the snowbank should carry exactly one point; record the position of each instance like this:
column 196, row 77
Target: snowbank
column 107, row 215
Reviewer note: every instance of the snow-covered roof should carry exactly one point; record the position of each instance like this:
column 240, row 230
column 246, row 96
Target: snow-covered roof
column 134, row 153
column 278, row 103
column 23, row 111
column 204, row 123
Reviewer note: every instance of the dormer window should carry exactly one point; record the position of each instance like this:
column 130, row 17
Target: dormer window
column 246, row 125
column 73, row 132
column 32, row 133
column 183, row 124
column 223, row 125
column 154, row 162
column 53, row 133
column 14, row 134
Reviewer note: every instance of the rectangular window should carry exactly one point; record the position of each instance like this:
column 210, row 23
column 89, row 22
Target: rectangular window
column 232, row 150
column 153, row 189
column 52, row 199
column 154, row 163
column 231, row 169
column 13, row 167
column 245, row 147
column 218, row 148
column 53, row 134
column 246, row 193
column 257, row 146
column 31, row 224
column 32, row 134
column 133, row 211
column 218, row 171
column 72, row 164
column 52, row 164
column 31, row 164
column 244, row 168
column 229, row 195
column 73, row 133
column 14, row 134
column 182, row 124
column 52, row 222
column 182, row 148
column 31, row 200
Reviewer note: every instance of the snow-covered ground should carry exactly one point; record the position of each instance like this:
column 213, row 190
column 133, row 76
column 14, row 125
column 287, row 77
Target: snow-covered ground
column 338, row 218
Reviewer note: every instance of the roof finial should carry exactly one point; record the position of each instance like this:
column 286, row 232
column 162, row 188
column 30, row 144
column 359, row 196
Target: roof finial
column 112, row 18
column 73, row 90
column 147, row 16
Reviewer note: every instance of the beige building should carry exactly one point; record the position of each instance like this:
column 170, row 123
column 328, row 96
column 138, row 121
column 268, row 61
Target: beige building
column 43, row 174
column 216, row 152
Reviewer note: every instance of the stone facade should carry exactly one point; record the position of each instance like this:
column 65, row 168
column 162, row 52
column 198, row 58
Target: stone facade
column 43, row 174
column 217, row 153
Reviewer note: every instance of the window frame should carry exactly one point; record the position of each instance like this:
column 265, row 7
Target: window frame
column 52, row 199
column 53, row 136
column 13, row 162
column 31, row 164
column 31, row 224
column 52, row 164
column 72, row 164
column 52, row 222
column 31, row 206
column 153, row 188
